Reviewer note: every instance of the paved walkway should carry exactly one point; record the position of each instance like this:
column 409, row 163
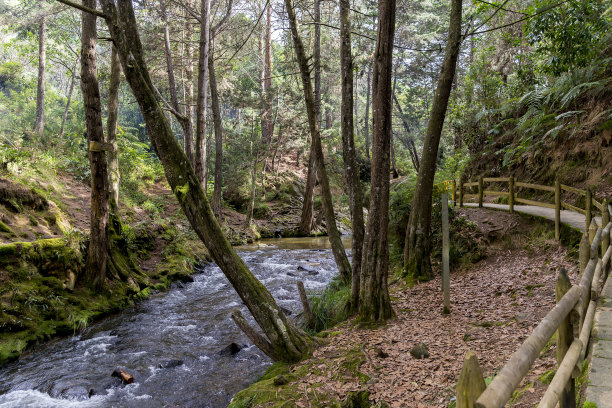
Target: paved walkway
column 570, row 218
column 599, row 388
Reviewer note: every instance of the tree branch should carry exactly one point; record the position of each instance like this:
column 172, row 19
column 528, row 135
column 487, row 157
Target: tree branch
column 85, row 9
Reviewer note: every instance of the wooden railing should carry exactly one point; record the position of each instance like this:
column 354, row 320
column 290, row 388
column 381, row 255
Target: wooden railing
column 557, row 203
column 575, row 304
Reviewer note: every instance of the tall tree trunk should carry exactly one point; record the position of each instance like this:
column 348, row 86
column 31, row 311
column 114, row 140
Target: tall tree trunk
column 255, row 158
column 218, row 125
column 307, row 218
column 348, row 149
column 367, row 112
column 200, row 153
column 414, row 155
column 98, row 238
column 111, row 131
column 374, row 302
column 69, row 99
column 284, row 340
column 168, row 52
column 188, row 130
column 344, row 267
column 393, row 161
column 39, row 127
column 417, row 249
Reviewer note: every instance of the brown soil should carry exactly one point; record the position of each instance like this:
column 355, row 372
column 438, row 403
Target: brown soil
column 495, row 304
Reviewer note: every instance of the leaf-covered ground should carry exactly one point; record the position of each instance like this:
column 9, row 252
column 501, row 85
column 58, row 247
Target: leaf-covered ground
column 495, row 304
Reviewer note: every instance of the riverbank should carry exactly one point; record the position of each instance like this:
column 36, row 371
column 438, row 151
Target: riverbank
column 415, row 359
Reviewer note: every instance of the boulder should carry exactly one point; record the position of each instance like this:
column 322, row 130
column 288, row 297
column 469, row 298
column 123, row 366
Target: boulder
column 125, row 377
column 231, row 350
column 170, row 363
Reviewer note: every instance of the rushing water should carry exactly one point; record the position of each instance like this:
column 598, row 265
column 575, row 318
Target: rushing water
column 191, row 324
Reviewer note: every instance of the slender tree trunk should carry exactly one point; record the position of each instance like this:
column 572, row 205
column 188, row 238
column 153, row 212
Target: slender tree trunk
column 70, row 90
column 284, row 340
column 168, row 52
column 218, row 125
column 255, row 157
column 374, row 302
column 317, row 59
column 348, row 149
column 39, row 127
column 200, row 154
column 393, row 162
column 98, row 238
column 188, row 130
column 417, row 249
column 344, row 267
column 414, row 155
column 367, row 112
column 111, row 131
column 356, row 130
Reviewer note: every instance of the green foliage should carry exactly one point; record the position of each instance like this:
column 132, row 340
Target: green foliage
column 330, row 306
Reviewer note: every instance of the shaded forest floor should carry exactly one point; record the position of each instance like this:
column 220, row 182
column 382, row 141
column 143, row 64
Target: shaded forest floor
column 495, row 304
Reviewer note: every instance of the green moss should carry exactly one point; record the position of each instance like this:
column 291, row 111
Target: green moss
column 589, row 404
column 547, row 377
column 5, row 228
column 581, row 380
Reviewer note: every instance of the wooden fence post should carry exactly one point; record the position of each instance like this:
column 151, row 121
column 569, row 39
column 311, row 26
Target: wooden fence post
column 565, row 337
column 461, row 192
column 480, row 191
column 471, row 382
column 511, row 196
column 605, row 219
column 454, row 192
column 584, row 252
column 588, row 207
column 592, row 231
column 445, row 255
column 557, row 210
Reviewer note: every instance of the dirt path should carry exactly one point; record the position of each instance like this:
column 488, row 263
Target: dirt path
column 495, row 305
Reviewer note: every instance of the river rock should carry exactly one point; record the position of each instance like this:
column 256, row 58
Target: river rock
column 308, row 271
column 286, row 311
column 125, row 377
column 170, row 364
column 291, row 274
column 231, row 350
column 419, row 351
column 76, row 392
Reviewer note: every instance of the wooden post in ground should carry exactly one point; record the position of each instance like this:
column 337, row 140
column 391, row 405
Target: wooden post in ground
column 511, row 196
column 592, row 231
column 454, row 192
column 584, row 252
column 480, row 191
column 605, row 219
column 305, row 304
column 565, row 337
column 471, row 382
column 588, row 207
column 445, row 255
column 461, row 192
column 557, row 210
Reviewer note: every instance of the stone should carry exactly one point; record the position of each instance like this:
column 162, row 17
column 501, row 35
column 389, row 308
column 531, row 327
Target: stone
column 380, row 353
column 280, row 380
column 419, row 351
column 125, row 377
column 170, row 364
column 231, row 350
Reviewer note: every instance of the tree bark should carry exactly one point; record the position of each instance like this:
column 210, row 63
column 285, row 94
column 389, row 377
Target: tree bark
column 374, row 302
column 417, row 249
column 188, row 130
column 344, row 267
column 200, row 153
column 366, row 131
column 98, row 239
column 218, row 125
column 317, row 59
column 307, row 218
column 348, row 149
column 69, row 99
column 111, row 131
column 286, row 341
column 255, row 158
column 39, row 127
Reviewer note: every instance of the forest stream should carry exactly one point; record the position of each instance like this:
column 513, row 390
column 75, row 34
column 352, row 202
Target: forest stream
column 184, row 329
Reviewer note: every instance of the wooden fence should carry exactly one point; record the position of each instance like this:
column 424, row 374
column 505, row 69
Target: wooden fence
column 513, row 197
column 575, row 307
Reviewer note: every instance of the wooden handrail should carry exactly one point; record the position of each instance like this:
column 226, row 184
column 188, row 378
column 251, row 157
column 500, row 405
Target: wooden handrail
column 573, row 190
column 534, row 186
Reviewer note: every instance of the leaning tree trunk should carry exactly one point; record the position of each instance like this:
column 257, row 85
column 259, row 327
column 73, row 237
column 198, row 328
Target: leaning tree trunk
column 218, row 125
column 200, row 153
column 39, row 127
column 417, row 249
column 348, row 149
column 344, row 267
column 284, row 341
column 374, row 302
column 98, row 238
column 111, row 131
column 69, row 99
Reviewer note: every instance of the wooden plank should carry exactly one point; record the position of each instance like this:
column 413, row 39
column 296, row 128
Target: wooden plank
column 534, row 186
column 504, row 384
column 573, row 190
column 496, row 193
column 471, row 184
column 572, row 208
column 470, row 196
column 496, row 179
column 445, row 256
column 598, row 205
column 536, row 203
column 562, row 376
